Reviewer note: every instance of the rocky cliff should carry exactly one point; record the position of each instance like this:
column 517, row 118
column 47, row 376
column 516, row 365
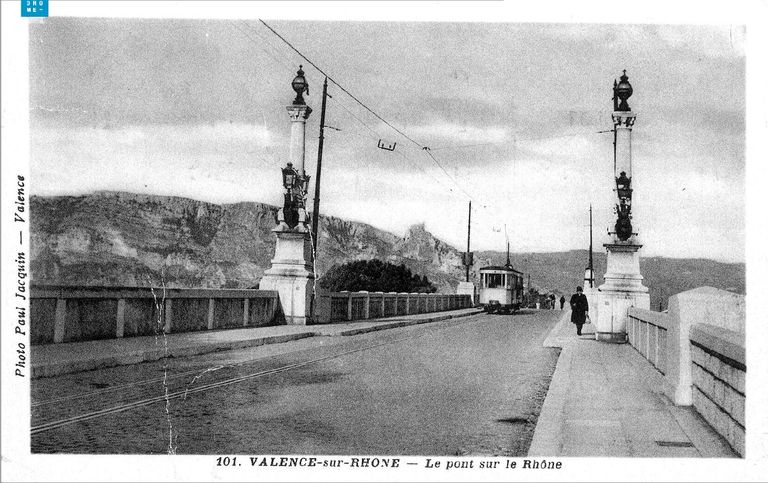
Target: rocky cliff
column 114, row 238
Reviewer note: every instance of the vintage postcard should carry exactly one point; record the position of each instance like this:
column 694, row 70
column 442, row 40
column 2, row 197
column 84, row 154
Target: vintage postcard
column 383, row 241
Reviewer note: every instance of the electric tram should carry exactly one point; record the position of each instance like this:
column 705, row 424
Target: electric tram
column 501, row 288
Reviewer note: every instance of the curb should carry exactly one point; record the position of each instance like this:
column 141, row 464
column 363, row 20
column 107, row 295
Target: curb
column 552, row 340
column 547, row 435
column 136, row 357
column 139, row 356
column 402, row 323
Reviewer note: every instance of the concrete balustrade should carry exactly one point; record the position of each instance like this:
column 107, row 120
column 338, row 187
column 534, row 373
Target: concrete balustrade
column 647, row 332
column 699, row 346
column 346, row 306
column 718, row 374
column 704, row 305
column 74, row 314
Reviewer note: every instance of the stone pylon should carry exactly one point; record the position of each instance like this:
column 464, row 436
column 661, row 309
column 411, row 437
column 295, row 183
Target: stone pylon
column 292, row 272
column 623, row 286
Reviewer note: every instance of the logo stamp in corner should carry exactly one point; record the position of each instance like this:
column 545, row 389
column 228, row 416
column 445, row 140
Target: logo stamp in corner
column 34, row 8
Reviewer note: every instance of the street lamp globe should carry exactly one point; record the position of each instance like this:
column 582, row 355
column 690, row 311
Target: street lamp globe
column 300, row 85
column 624, row 91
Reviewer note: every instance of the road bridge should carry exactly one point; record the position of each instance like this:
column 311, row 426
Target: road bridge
column 466, row 386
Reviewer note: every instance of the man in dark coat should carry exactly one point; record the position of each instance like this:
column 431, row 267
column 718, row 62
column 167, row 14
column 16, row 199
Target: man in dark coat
column 579, row 309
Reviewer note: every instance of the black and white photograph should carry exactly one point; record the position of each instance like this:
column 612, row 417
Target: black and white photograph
column 383, row 241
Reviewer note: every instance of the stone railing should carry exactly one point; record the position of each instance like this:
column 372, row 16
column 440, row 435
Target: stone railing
column 699, row 346
column 647, row 332
column 346, row 306
column 718, row 373
column 69, row 314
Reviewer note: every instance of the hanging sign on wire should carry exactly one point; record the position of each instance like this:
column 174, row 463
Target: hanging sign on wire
column 387, row 146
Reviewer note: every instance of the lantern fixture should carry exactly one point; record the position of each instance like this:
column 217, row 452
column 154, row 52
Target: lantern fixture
column 301, row 86
column 623, row 186
column 289, row 176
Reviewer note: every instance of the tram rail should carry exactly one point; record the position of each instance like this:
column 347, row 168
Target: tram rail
column 183, row 393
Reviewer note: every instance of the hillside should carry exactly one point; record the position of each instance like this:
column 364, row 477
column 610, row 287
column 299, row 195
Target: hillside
column 111, row 238
column 125, row 239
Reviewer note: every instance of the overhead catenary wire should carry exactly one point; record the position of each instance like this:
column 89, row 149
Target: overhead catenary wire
column 362, row 104
column 341, row 104
column 416, row 165
column 378, row 136
column 446, row 173
column 274, row 55
column 515, row 140
column 340, row 86
column 288, row 69
column 246, row 34
column 480, row 203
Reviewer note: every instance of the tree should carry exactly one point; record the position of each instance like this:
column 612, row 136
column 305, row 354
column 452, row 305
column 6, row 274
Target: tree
column 374, row 276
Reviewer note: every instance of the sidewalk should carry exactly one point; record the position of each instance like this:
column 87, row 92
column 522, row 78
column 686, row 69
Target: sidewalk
column 607, row 400
column 56, row 359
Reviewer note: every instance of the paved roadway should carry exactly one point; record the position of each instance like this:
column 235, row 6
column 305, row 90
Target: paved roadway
column 467, row 386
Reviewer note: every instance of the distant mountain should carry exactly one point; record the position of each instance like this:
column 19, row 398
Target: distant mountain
column 126, row 239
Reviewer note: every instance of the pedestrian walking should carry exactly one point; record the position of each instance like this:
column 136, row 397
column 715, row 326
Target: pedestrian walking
column 562, row 301
column 579, row 309
column 552, row 301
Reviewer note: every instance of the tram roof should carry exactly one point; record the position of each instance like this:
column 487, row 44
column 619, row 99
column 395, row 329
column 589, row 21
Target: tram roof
column 501, row 268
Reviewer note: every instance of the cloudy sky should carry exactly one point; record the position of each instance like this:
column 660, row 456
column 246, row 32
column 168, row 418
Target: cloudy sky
column 511, row 112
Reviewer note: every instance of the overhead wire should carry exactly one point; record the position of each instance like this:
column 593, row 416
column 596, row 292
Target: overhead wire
column 362, row 104
column 340, row 104
column 426, row 149
column 436, row 161
column 429, row 153
column 248, row 36
column 276, row 52
column 516, row 140
column 339, row 85
column 378, row 136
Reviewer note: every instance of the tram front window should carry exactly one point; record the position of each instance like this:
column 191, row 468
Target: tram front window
column 495, row 280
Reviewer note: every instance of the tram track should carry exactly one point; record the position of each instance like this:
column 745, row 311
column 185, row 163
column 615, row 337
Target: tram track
column 157, row 380
column 121, row 387
column 40, row 428
column 173, row 377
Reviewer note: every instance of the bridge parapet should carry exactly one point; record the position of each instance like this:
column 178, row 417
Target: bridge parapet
column 74, row 314
column 346, row 306
column 647, row 332
column 699, row 346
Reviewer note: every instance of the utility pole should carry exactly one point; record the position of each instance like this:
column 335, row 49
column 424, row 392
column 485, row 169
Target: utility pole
column 591, row 266
column 615, row 133
column 316, row 212
column 469, row 227
column 468, row 288
column 528, row 295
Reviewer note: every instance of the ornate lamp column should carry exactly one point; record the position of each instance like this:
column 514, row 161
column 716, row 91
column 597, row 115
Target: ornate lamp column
column 623, row 286
column 292, row 274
